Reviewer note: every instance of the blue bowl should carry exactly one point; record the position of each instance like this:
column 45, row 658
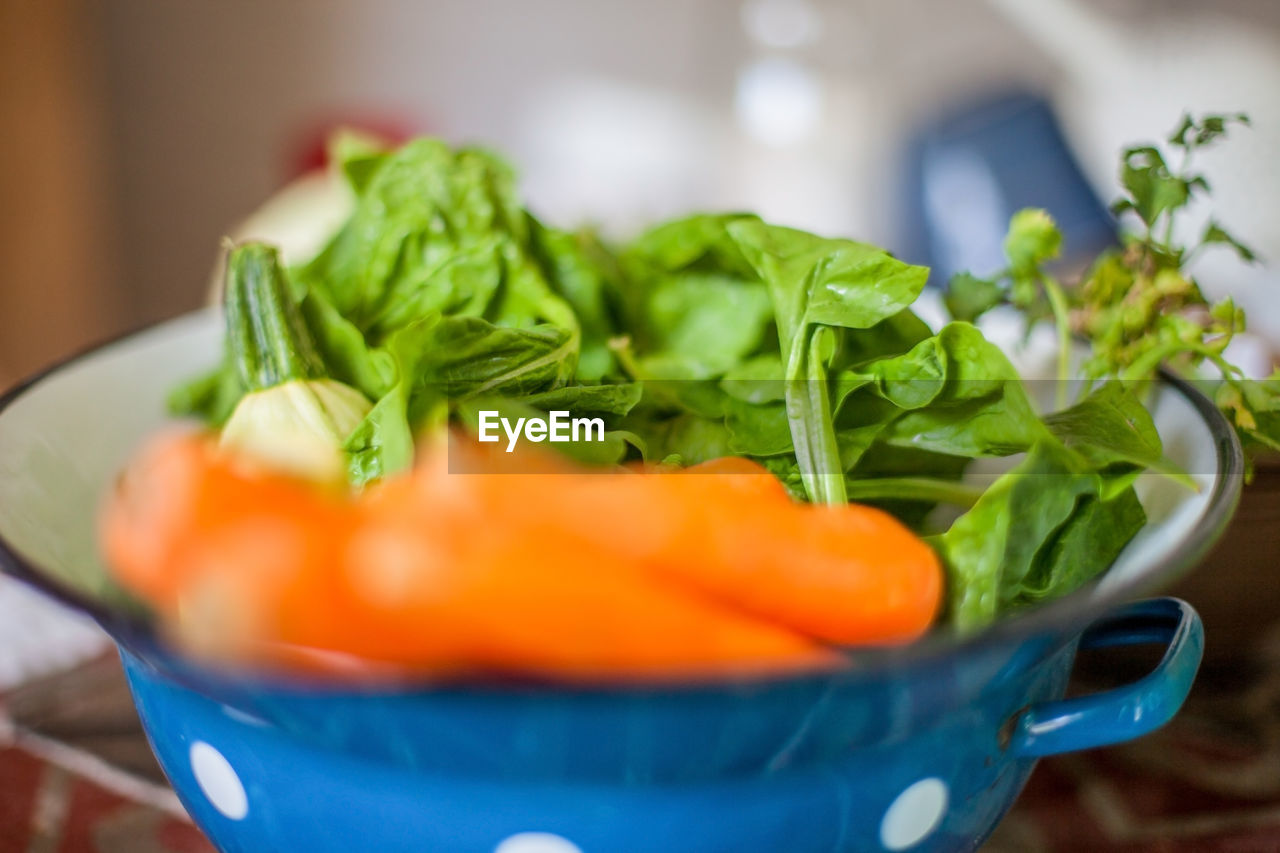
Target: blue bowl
column 917, row 748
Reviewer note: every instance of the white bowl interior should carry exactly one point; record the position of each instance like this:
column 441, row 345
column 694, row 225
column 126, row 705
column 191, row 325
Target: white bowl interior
column 66, row 437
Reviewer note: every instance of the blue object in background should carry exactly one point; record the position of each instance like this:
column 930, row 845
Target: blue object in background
column 969, row 171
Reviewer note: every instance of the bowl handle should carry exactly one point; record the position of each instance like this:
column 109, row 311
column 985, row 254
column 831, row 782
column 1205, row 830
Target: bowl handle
column 1128, row 712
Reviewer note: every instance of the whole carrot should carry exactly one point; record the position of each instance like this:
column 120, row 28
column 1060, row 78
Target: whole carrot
column 727, row 529
column 246, row 565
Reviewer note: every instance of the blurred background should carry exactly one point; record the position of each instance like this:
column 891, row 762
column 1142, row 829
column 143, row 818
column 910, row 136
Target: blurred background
column 136, row 133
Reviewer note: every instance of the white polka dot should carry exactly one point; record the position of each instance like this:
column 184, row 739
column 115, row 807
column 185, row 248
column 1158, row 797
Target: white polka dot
column 536, row 842
column 914, row 814
column 218, row 779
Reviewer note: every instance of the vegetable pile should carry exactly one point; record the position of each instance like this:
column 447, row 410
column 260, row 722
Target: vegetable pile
column 787, row 369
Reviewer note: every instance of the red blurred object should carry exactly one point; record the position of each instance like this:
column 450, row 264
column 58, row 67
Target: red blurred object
column 311, row 151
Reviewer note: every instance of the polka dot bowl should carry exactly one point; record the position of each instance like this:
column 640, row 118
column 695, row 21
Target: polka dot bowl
column 920, row 748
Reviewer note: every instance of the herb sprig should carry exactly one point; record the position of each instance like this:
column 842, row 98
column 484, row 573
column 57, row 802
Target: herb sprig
column 1137, row 305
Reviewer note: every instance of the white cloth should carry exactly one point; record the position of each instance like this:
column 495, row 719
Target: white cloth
column 39, row 636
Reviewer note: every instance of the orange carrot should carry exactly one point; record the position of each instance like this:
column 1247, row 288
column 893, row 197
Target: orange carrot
column 850, row 574
column 500, row 602
column 558, row 572
column 184, row 507
column 727, row 529
column 188, row 526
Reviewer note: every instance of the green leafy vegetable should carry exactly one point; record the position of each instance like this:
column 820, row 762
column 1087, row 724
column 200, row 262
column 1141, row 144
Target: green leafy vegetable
column 818, row 285
column 437, row 288
column 1008, row 547
column 969, row 297
column 1094, row 536
column 717, row 334
column 1111, row 426
column 980, row 409
column 293, row 413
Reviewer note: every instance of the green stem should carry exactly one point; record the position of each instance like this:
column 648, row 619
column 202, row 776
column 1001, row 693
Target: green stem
column 1183, row 168
column 267, row 337
column 621, row 348
column 809, row 415
column 1229, row 370
column 914, row 489
column 1144, row 367
column 1062, row 320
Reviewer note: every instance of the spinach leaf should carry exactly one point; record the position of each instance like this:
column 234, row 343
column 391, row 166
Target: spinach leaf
column 991, row 549
column 436, row 231
column 578, row 268
column 615, row 399
column 1086, row 546
column 702, row 325
column 981, row 409
column 817, row 285
column 1111, row 426
column 1041, row 530
column 856, row 441
column 383, row 443
column 439, row 361
column 470, row 356
column 820, row 281
column 892, row 336
column 700, row 241
column 693, row 307
column 756, row 380
column 345, row 352
column 912, row 380
column 758, row 430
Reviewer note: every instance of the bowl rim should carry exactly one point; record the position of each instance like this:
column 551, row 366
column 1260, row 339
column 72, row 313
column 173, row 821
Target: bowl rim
column 1062, row 617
